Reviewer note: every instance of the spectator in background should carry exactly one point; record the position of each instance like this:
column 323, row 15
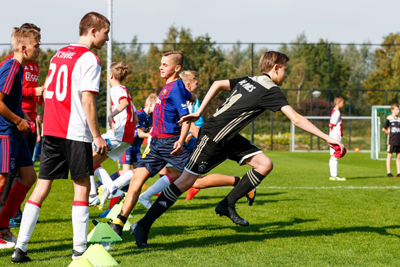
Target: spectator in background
column 392, row 129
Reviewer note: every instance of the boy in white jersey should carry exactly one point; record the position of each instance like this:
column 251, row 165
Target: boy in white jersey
column 122, row 130
column 336, row 132
column 392, row 129
column 69, row 122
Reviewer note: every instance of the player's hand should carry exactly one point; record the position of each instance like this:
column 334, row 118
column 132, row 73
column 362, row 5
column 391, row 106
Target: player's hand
column 332, row 142
column 39, row 91
column 190, row 117
column 101, row 144
column 177, row 148
column 23, row 126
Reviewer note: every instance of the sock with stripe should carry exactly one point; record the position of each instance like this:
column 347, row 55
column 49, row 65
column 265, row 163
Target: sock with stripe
column 80, row 220
column 250, row 180
column 28, row 223
column 167, row 198
column 14, row 200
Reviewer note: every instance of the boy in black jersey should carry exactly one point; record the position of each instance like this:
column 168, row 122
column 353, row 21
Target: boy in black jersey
column 219, row 139
column 392, row 129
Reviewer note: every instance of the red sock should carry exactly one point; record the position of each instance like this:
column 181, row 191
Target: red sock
column 113, row 201
column 14, row 200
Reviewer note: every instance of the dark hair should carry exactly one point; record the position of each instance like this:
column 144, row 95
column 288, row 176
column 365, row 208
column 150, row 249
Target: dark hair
column 28, row 26
column 270, row 58
column 176, row 55
column 92, row 20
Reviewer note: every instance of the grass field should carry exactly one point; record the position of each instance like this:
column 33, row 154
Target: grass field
column 299, row 218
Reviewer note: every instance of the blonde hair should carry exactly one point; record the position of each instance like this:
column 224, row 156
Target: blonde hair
column 337, row 100
column 92, row 20
column 119, row 70
column 270, row 58
column 151, row 99
column 188, row 75
column 177, row 56
column 23, row 36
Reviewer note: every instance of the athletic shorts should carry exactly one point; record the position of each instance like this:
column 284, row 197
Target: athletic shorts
column 131, row 155
column 393, row 149
column 118, row 147
column 208, row 154
column 337, row 136
column 59, row 156
column 159, row 155
column 14, row 153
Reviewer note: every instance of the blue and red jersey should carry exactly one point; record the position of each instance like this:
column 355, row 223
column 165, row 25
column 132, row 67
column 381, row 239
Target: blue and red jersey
column 11, row 75
column 170, row 107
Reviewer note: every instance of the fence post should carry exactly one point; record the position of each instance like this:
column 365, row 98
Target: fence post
column 311, row 113
column 252, row 74
column 272, row 129
column 349, row 146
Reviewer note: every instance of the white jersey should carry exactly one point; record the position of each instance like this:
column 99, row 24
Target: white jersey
column 335, row 125
column 73, row 69
column 124, row 122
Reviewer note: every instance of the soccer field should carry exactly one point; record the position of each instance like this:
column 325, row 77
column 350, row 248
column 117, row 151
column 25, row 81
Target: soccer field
column 299, row 218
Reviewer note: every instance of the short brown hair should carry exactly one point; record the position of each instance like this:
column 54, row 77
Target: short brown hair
column 27, row 26
column 24, row 36
column 177, row 56
column 394, row 106
column 119, row 70
column 93, row 20
column 270, row 58
column 151, row 99
column 188, row 75
column 338, row 99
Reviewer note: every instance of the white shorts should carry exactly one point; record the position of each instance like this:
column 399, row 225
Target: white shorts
column 336, row 136
column 118, row 147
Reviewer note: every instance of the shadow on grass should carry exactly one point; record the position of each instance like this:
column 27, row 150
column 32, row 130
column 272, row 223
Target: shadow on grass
column 259, row 194
column 364, row 177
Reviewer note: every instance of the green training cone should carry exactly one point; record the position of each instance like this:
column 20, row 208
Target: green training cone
column 116, row 209
column 80, row 262
column 103, row 233
column 98, row 256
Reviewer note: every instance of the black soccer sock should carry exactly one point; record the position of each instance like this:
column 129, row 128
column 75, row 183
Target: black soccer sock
column 166, row 199
column 237, row 180
column 250, row 180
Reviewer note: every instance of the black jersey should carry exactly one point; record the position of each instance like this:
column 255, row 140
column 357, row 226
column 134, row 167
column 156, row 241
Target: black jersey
column 249, row 97
column 393, row 124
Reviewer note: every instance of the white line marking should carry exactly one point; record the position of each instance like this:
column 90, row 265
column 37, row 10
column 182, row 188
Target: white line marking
column 319, row 187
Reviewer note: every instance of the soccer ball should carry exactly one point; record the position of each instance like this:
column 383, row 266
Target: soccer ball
column 357, row 149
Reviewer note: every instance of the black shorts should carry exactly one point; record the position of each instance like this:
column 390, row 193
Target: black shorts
column 393, row 149
column 61, row 155
column 208, row 154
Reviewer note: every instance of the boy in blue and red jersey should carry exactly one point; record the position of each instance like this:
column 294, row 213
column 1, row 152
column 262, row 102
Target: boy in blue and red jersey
column 168, row 137
column 14, row 152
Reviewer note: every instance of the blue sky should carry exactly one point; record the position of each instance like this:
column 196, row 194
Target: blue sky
column 341, row 21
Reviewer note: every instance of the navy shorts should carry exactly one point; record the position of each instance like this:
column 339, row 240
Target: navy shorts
column 131, row 155
column 159, row 155
column 393, row 149
column 14, row 153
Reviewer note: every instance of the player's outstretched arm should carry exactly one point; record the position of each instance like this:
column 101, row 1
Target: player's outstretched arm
column 89, row 108
column 301, row 122
column 215, row 88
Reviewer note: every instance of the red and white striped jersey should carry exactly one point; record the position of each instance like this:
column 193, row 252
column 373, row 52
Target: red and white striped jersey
column 335, row 122
column 124, row 122
column 73, row 69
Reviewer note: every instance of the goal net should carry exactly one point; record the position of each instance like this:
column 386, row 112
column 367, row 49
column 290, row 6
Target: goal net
column 356, row 134
column 378, row 138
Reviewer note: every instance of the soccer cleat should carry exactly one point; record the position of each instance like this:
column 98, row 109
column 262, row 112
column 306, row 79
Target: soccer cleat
column 251, row 196
column 76, row 254
column 117, row 228
column 140, row 234
column 389, row 175
column 337, row 178
column 145, row 202
column 7, row 235
column 398, row 175
column 6, row 244
column 230, row 212
column 103, row 194
column 94, row 200
column 191, row 193
column 19, row 256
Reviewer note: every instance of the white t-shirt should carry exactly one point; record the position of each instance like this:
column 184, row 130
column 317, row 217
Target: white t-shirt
column 335, row 124
column 124, row 122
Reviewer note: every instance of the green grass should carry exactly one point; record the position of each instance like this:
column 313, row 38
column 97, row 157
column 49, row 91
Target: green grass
column 299, row 218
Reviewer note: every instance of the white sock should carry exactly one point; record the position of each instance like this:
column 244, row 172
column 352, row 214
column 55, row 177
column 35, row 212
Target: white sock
column 28, row 223
column 92, row 186
column 333, row 162
column 158, row 186
column 124, row 179
column 80, row 220
column 105, row 178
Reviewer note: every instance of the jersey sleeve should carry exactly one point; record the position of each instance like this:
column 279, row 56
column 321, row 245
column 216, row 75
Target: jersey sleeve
column 179, row 99
column 7, row 76
column 274, row 99
column 334, row 118
column 387, row 124
column 234, row 82
column 90, row 73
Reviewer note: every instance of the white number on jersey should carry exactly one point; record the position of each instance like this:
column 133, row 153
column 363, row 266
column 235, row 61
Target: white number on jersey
column 61, row 86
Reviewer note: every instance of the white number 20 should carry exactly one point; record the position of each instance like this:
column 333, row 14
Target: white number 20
column 61, row 81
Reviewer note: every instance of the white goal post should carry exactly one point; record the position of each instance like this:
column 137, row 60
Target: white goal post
column 295, row 146
column 378, row 140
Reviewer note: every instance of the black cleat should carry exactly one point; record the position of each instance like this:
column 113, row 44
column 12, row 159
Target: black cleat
column 19, row 256
column 117, row 228
column 389, row 175
column 251, row 196
column 230, row 212
column 141, row 235
column 76, row 254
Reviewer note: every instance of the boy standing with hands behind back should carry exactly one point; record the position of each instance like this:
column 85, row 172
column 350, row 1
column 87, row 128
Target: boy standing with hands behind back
column 392, row 129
